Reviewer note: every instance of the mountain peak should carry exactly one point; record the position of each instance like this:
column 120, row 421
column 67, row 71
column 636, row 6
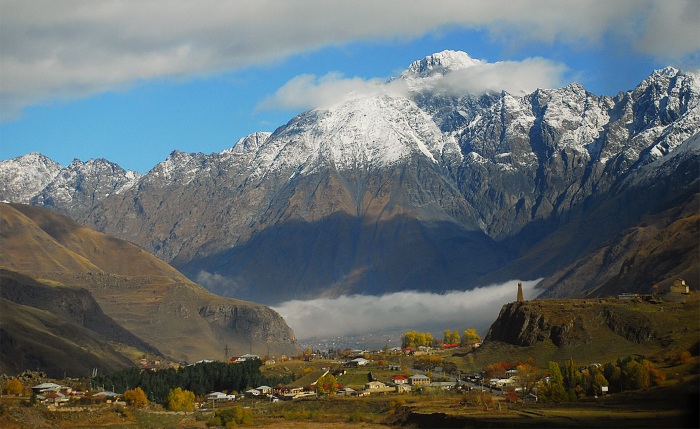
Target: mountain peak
column 441, row 63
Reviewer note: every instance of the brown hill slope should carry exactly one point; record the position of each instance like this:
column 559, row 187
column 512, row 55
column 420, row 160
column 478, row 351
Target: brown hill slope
column 659, row 249
column 594, row 329
column 137, row 290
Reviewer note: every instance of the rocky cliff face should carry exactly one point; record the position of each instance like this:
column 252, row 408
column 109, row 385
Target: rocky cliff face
column 573, row 322
column 458, row 188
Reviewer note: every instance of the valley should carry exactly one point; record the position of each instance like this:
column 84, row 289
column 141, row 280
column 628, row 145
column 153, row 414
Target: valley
column 385, row 211
column 469, row 387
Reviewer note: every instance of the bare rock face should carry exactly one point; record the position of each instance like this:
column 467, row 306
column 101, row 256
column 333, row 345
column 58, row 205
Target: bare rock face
column 259, row 324
column 572, row 322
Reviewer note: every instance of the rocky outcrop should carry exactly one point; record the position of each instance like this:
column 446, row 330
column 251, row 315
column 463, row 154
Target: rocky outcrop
column 571, row 322
column 259, row 324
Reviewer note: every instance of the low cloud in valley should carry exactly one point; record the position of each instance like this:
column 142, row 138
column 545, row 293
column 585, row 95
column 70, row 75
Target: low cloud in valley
column 359, row 314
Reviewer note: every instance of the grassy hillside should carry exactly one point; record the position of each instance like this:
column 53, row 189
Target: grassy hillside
column 138, row 291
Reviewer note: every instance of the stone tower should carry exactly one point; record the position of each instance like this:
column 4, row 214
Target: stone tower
column 520, row 293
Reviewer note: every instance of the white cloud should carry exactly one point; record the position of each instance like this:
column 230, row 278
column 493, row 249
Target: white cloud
column 517, row 77
column 216, row 282
column 74, row 48
column 310, row 91
column 359, row 314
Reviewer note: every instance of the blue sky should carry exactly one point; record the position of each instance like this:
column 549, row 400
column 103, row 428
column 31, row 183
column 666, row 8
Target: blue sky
column 131, row 81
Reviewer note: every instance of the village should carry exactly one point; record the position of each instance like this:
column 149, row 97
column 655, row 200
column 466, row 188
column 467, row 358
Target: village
column 457, row 369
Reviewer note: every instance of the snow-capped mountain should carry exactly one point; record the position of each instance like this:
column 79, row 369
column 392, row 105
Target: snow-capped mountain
column 399, row 189
column 24, row 177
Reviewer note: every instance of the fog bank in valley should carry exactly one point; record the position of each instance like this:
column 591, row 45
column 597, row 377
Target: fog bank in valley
column 410, row 310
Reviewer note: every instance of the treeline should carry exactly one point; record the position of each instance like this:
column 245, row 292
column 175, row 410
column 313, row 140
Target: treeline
column 569, row 382
column 200, row 379
column 414, row 339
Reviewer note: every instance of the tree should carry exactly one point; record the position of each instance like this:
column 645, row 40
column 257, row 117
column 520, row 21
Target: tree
column 635, row 376
column 556, row 391
column 470, row 336
column 136, row 398
column 656, row 376
column 529, row 373
column 14, row 387
column 572, row 376
column 180, row 400
column 598, row 382
column 455, row 337
column 327, row 385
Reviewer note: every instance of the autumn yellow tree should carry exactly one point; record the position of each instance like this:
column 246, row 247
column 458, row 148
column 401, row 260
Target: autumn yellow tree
column 180, row 400
column 14, row 387
column 136, row 398
column 327, row 385
column 470, row 336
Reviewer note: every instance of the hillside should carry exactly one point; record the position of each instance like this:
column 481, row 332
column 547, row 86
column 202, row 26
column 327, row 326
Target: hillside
column 598, row 330
column 53, row 264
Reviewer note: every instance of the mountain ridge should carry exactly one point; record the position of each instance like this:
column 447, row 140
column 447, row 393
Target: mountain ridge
column 510, row 168
column 112, row 290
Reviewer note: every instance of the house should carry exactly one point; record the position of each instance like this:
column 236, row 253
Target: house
column 399, row 379
column 358, row 362
column 679, row 286
column 243, row 358
column 345, row 391
column 403, row 388
column 265, row 390
column 219, row 397
column 374, row 385
column 106, row 396
column 418, row 380
column 46, row 387
column 444, row 385
column 56, row 398
column 252, row 393
column 287, row 390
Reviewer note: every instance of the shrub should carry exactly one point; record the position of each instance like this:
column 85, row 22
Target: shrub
column 14, row 387
column 180, row 400
column 136, row 398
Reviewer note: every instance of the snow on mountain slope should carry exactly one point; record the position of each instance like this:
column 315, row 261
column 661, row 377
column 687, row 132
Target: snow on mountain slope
column 23, row 177
column 86, row 183
column 363, row 132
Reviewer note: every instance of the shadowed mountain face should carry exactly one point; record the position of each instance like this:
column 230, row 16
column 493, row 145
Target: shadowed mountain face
column 387, row 192
column 66, row 283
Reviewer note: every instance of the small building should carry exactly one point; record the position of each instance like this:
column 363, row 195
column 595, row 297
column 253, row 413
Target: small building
column 418, row 380
column 252, row 393
column 399, row 379
column 46, row 387
column 444, row 385
column 403, row 388
column 345, row 391
column 265, row 390
column 374, row 385
column 220, row 397
column 358, row 362
column 679, row 286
